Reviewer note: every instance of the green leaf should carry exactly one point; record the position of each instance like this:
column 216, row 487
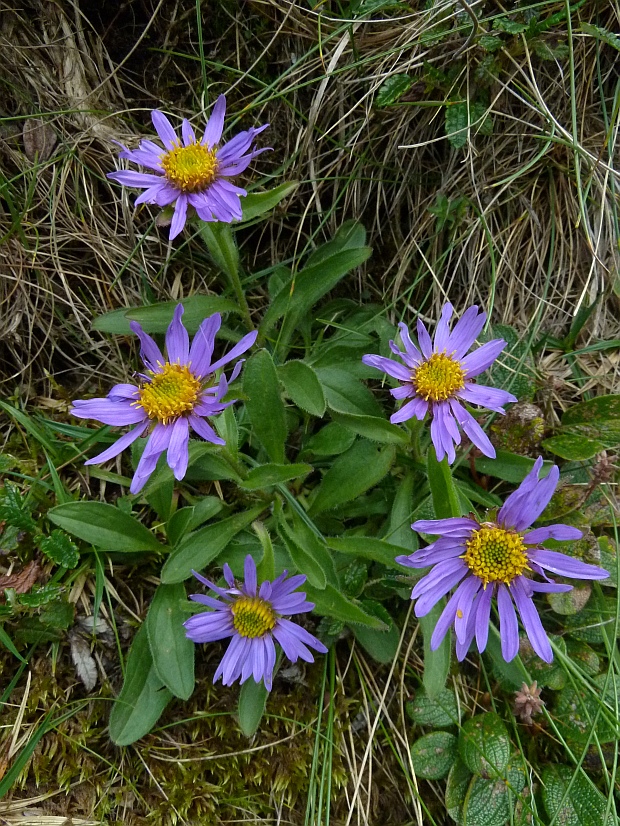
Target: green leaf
column 255, row 204
column 220, row 241
column 573, row 447
column 601, row 408
column 433, row 755
column 571, row 799
column 143, row 696
column 367, row 547
column 570, row 602
column 322, row 272
column 329, row 602
column 104, row 526
column 487, row 803
column 436, row 663
column 308, row 552
column 7, row 642
column 353, row 473
column 190, row 518
column 446, row 502
column 484, row 745
column 504, row 24
column 508, row 466
column 264, row 404
column 381, row 645
column 457, row 123
column 155, row 318
column 302, row 385
column 399, row 530
column 331, row 440
column 206, row 463
column 272, row 474
column 252, row 702
column 346, row 394
column 200, row 548
column 440, row 711
column 576, row 712
column 457, row 783
column 60, row 549
column 373, row 428
column 14, row 510
column 392, row 89
column 602, row 34
column 171, row 650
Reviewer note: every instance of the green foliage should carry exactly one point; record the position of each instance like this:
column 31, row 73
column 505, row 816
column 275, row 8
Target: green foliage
column 484, row 745
column 302, row 385
column 104, row 526
column 14, row 510
column 264, row 405
column 392, row 89
column 171, row 651
column 252, row 702
column 440, row 711
column 143, row 697
column 433, row 755
column 60, row 549
column 571, row 799
column 157, row 317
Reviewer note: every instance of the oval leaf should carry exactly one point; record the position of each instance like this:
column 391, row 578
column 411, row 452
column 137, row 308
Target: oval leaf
column 171, row 650
column 373, row 428
column 272, row 474
column 352, row 474
column 200, row 548
column 143, row 696
column 367, row 547
column 433, row 755
column 573, row 800
column 104, row 526
column 484, row 745
column 302, row 385
column 440, row 711
column 252, row 702
column 329, row 602
column 264, row 404
column 155, row 318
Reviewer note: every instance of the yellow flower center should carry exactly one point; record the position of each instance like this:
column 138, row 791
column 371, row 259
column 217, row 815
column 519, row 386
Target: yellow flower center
column 252, row 616
column 170, row 393
column 190, row 168
column 439, row 378
column 496, row 555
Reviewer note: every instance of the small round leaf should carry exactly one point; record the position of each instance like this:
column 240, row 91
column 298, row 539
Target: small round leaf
column 433, row 755
column 484, row 745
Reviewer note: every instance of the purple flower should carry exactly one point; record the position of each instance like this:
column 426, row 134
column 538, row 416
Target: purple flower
column 496, row 558
column 175, row 395
column 191, row 172
column 253, row 616
column 439, row 376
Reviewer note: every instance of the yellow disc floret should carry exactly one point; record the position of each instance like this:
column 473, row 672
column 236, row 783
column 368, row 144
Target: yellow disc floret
column 252, row 616
column 438, row 378
column 170, row 393
column 496, row 555
column 190, row 168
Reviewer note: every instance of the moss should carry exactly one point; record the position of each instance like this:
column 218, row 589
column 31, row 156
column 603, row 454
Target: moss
column 520, row 431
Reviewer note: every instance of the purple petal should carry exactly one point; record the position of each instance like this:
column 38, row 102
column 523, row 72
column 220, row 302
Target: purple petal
column 483, row 617
column 208, row 584
column 116, row 413
column 188, row 133
column 270, row 660
column 178, row 453
column 490, row 397
column 564, row 565
column 210, row 601
column 432, row 596
column 403, row 391
column 246, row 342
column 164, row 129
column 559, row 532
column 411, row 350
column 230, row 665
column 177, row 339
column 536, row 500
column 297, row 638
column 209, row 627
column 462, row 645
column 464, row 607
column 446, row 617
column 204, row 430
column 215, row 124
column 249, row 572
column 442, row 332
column 508, row 625
column 482, row 358
column 144, row 157
column 511, row 512
column 426, row 345
column 433, row 557
column 472, row 428
column 202, row 346
column 442, row 435
column 232, row 169
column 284, row 585
column 237, row 146
column 179, row 216
column 152, row 194
column 119, row 445
column 128, row 177
column 531, row 622
column 166, row 194
column 417, row 407
column 292, row 604
column 456, row 526
column 548, row 587
column 392, row 368
column 149, row 352
column 465, row 332
column 157, row 443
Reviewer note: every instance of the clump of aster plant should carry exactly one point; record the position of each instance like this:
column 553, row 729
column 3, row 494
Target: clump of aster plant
column 255, row 617
column 439, row 376
column 501, row 559
column 177, row 393
column 528, row 703
column 188, row 172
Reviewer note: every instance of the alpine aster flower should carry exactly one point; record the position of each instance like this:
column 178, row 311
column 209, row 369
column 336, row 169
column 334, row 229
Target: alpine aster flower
column 253, row 617
column 497, row 559
column 191, row 172
column 439, row 376
column 176, row 394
